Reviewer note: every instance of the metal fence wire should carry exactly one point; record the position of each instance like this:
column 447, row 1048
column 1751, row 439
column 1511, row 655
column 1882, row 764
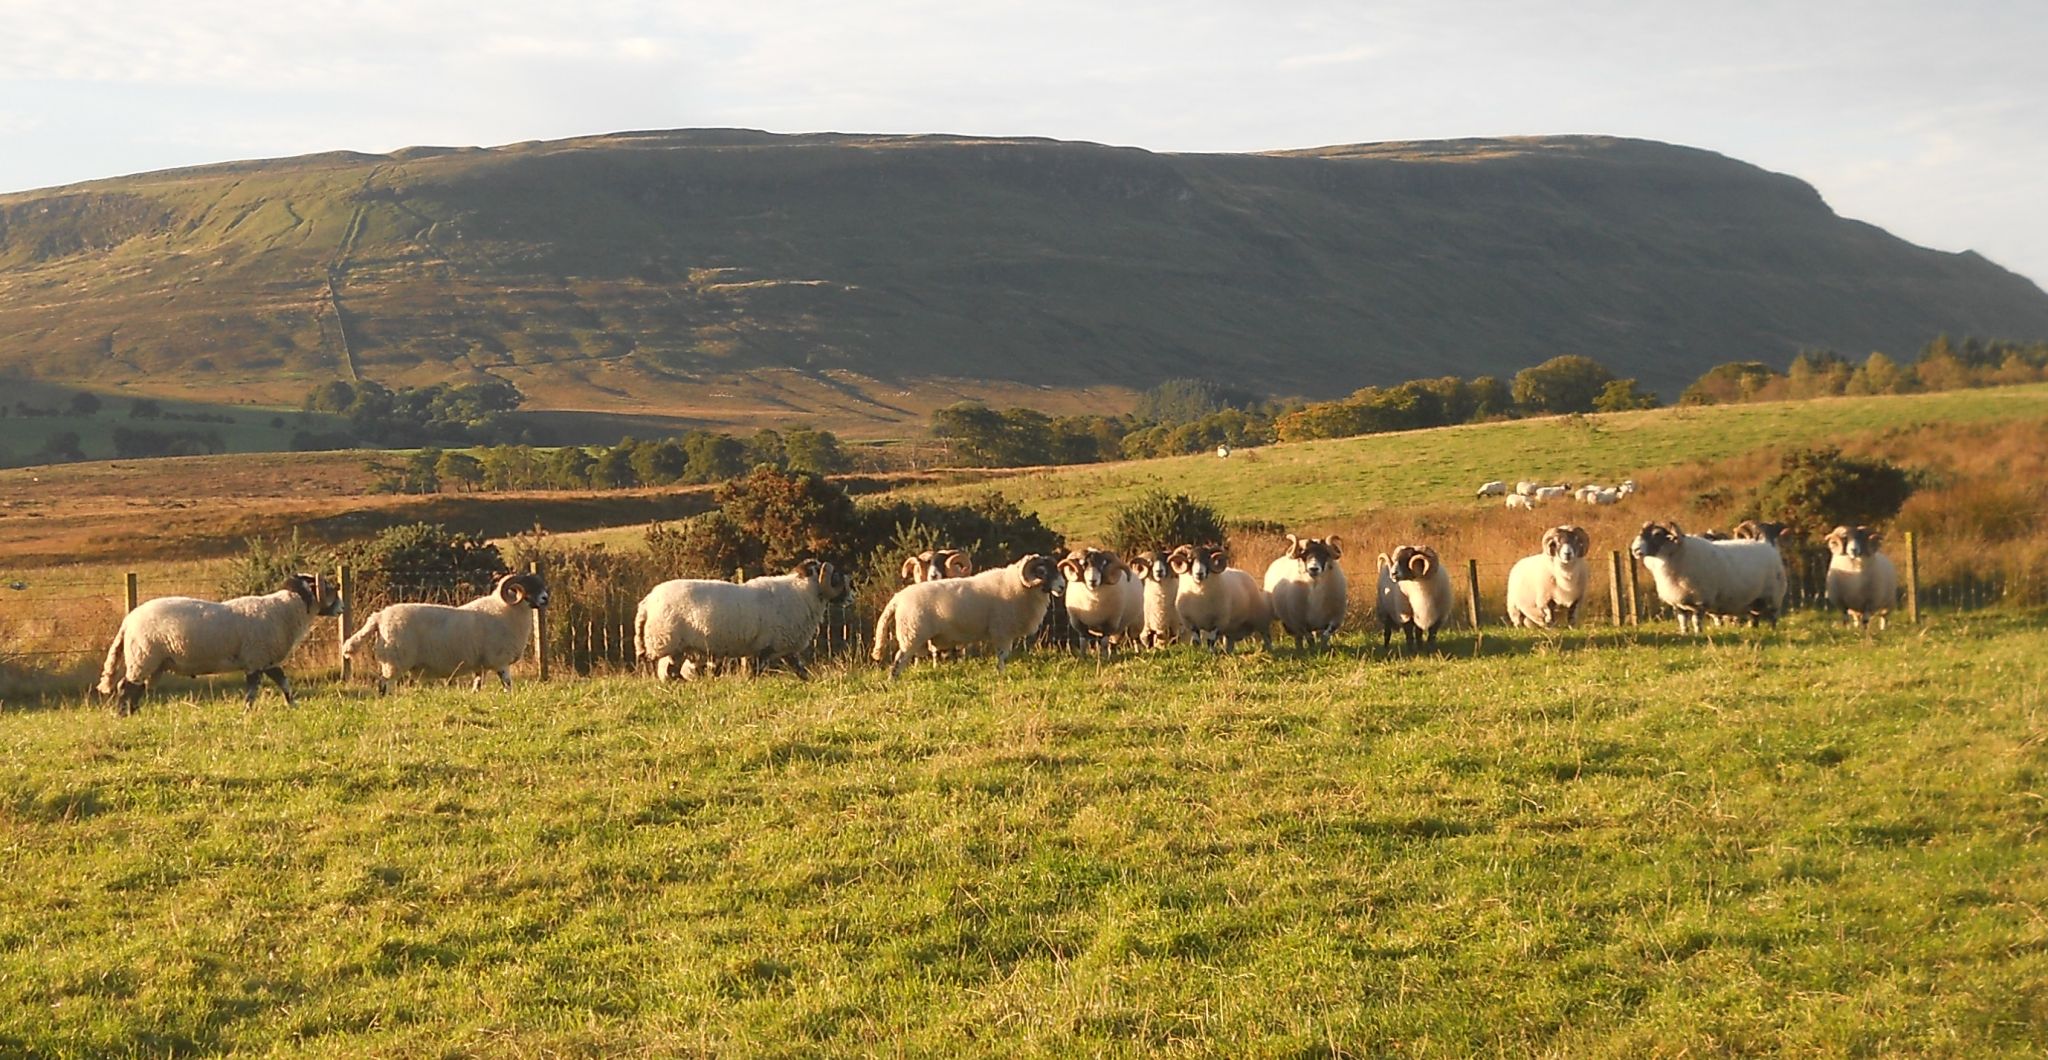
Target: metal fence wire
column 55, row 625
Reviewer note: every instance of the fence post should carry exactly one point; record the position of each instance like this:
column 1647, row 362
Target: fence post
column 1614, row 585
column 540, row 630
column 345, row 585
column 1472, row 591
column 1912, row 578
column 129, row 588
column 1635, row 595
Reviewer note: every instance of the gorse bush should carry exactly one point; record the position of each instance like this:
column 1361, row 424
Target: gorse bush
column 1818, row 489
column 1162, row 520
column 710, row 545
column 263, row 564
column 422, row 561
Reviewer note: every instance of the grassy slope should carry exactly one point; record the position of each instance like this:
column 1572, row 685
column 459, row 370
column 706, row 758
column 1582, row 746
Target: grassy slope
column 1303, row 483
column 1609, row 846
column 250, row 432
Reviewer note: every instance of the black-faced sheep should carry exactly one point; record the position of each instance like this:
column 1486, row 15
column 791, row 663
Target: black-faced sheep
column 484, row 636
column 1414, row 595
column 1553, row 581
column 688, row 622
column 251, row 635
column 1161, row 587
column 1861, row 580
column 1105, row 604
column 1221, row 605
column 1000, row 607
column 1696, row 576
column 1308, row 589
column 935, row 563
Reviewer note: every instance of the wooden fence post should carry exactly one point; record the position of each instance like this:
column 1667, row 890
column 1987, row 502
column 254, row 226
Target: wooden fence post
column 1614, row 585
column 1912, row 578
column 540, row 630
column 345, row 585
column 129, row 590
column 1472, row 591
column 1635, row 594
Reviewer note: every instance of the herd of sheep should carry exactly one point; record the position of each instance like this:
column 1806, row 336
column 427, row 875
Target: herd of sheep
column 1189, row 594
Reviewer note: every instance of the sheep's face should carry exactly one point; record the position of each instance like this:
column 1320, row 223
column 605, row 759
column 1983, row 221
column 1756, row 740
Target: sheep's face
column 1855, row 543
column 523, row 588
column 1316, row 554
column 935, row 563
column 1412, row 561
column 1040, row 572
column 1093, row 567
column 1657, row 539
column 1567, row 544
column 318, row 594
column 1752, row 530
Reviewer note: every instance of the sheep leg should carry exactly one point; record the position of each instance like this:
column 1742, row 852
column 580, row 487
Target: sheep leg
column 251, row 685
column 504, row 678
column 796, row 666
column 1571, row 615
column 128, row 697
column 284, row 684
column 902, row 659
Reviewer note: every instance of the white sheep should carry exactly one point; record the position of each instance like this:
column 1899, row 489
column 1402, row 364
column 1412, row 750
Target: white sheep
column 1552, row 581
column 1162, row 614
column 251, row 635
column 1001, row 607
column 681, row 623
column 1221, row 604
column 1308, row 590
column 1584, row 494
column 1627, row 487
column 1551, row 493
column 1861, row 580
column 486, row 635
column 1414, row 594
column 1696, row 576
column 1520, row 502
column 1104, row 603
column 1496, row 488
column 1526, row 488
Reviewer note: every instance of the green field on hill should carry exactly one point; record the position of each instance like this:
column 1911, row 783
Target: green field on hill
column 1605, row 844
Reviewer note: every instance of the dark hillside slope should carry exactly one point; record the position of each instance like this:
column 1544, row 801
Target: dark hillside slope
column 724, row 271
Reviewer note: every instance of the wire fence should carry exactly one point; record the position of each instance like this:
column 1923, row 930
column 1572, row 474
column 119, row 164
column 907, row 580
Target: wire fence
column 55, row 626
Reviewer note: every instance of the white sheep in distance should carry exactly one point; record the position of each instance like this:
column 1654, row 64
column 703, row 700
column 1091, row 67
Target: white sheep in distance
column 1308, row 590
column 484, row 636
column 682, row 623
column 1861, row 580
column 1162, row 614
column 935, row 563
column 251, row 635
column 1627, row 487
column 1696, row 576
column 1104, row 603
column 1221, row 604
column 1527, row 488
column 1521, row 502
column 1001, row 607
column 1496, row 488
column 1550, row 493
column 1414, row 595
column 1554, row 580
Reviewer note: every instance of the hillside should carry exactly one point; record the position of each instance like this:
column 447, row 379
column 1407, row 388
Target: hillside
column 741, row 277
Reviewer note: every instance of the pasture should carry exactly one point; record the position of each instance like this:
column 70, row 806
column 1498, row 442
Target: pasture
column 1606, row 842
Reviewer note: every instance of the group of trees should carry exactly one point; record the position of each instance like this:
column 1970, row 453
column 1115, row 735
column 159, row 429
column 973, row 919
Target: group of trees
column 1943, row 364
column 1176, row 417
column 1566, row 384
column 441, row 414
column 693, row 458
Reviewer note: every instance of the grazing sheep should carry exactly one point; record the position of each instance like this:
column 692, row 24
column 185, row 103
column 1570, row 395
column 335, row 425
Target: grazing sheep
column 1000, row 607
column 248, row 634
column 1220, row 604
column 1551, row 493
column 690, row 620
column 1308, row 590
column 1104, row 602
column 935, row 563
column 1696, row 576
column 1496, row 488
column 1162, row 615
column 486, row 635
column 1414, row 595
column 1521, row 502
column 1861, row 580
column 1554, row 580
column 1584, row 494
column 1527, row 488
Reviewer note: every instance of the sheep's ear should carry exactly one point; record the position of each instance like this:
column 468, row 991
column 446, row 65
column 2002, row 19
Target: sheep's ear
column 1336, row 546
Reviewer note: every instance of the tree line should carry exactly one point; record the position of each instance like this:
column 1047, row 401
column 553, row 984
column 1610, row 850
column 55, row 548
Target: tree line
column 1943, row 364
column 694, row 458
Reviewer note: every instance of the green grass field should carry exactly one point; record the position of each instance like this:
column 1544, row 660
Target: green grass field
column 1593, row 844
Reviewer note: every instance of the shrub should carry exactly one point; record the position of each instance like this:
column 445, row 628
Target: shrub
column 793, row 516
column 1818, row 489
column 711, row 545
column 422, row 561
column 990, row 526
column 263, row 564
column 1160, row 520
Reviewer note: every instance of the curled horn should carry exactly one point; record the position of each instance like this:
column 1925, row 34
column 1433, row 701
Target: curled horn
column 910, row 568
column 1336, row 546
column 1422, row 562
column 1293, row 546
column 1034, row 569
column 510, row 590
column 1181, row 559
column 1071, row 564
column 1384, row 563
column 958, row 563
column 1552, row 541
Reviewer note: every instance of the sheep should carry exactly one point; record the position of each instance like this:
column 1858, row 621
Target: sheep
column 999, row 607
column 763, row 619
column 1162, row 624
column 1518, row 501
column 1697, row 576
column 1605, row 496
column 1496, row 488
column 1414, row 595
column 1308, row 590
column 1752, row 530
column 486, row 635
column 1861, row 580
column 935, row 563
column 1220, row 604
column 1627, row 487
column 1526, row 488
column 252, row 635
column 1103, row 602
column 1554, row 580
column 1551, row 493
column 1584, row 494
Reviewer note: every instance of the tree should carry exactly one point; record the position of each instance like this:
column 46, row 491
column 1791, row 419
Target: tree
column 1160, row 520
column 1623, row 395
column 613, row 468
column 1730, row 383
column 1879, row 375
column 709, row 457
column 1817, row 489
column 1570, row 383
column 817, row 452
column 85, row 403
column 793, row 516
column 1817, row 373
column 144, row 409
column 460, row 470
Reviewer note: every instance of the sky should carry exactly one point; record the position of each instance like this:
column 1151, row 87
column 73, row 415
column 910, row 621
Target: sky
column 1928, row 119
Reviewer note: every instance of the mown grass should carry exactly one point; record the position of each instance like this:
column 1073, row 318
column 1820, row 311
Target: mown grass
column 1314, row 482
column 1605, row 843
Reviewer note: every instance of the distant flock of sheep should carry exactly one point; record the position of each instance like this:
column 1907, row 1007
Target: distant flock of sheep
column 1189, row 594
column 1527, row 495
